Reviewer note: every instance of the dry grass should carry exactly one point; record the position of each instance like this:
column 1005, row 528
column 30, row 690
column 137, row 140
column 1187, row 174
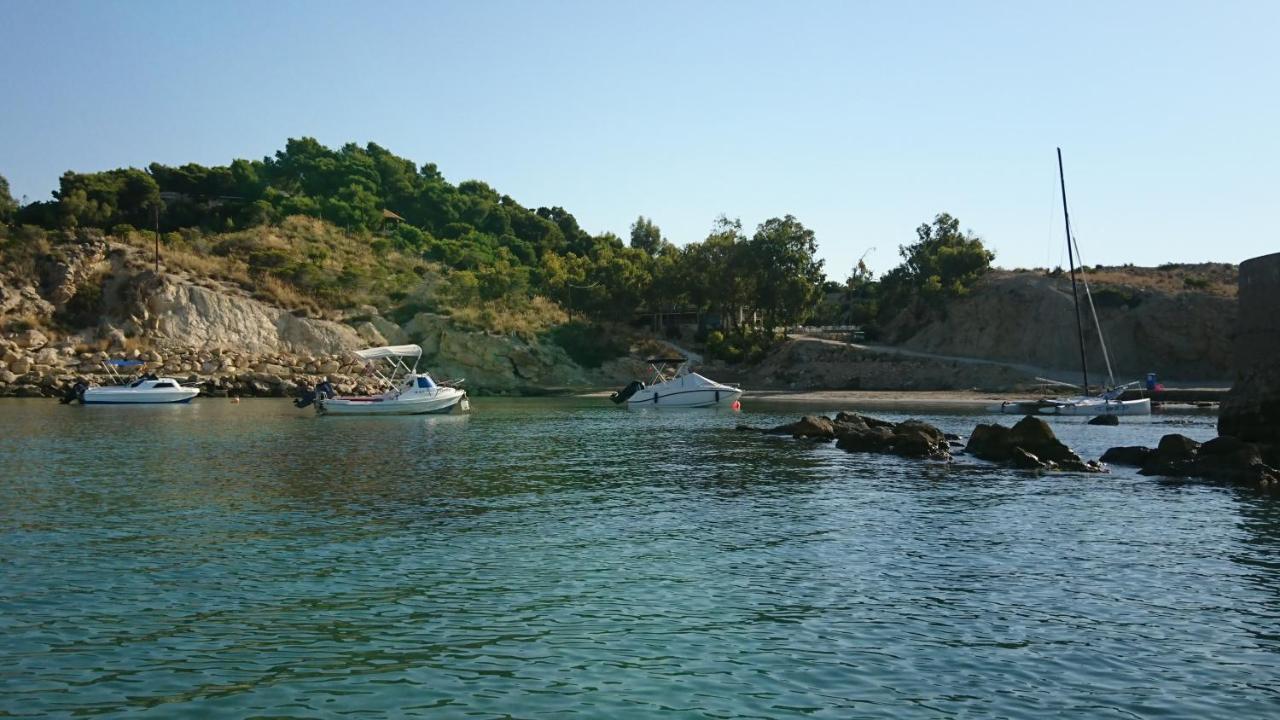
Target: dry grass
column 526, row 319
column 1218, row 279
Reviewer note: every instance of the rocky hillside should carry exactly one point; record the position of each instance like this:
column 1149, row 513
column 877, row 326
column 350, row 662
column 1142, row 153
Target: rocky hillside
column 1176, row 321
column 93, row 298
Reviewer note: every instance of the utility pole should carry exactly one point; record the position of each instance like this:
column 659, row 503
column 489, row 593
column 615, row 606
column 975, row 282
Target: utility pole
column 157, row 209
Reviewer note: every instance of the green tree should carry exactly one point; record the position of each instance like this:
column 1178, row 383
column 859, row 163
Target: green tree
column 943, row 262
column 789, row 277
column 646, row 236
column 8, row 206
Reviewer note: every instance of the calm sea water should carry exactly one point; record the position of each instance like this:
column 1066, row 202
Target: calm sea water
column 548, row 558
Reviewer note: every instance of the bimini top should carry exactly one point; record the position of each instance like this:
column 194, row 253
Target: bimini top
column 125, row 363
column 390, row 351
column 655, row 360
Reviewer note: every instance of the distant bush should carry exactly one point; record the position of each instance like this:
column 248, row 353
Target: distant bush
column 1115, row 298
column 1196, row 283
column 739, row 346
column 588, row 344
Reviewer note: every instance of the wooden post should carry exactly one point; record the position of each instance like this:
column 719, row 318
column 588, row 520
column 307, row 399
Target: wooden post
column 157, row 209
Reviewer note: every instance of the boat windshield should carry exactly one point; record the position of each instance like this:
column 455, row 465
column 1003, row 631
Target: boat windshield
column 667, row 369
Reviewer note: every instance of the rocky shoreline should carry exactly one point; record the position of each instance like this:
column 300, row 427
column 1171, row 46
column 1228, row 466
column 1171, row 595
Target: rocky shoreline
column 1031, row 445
column 33, row 366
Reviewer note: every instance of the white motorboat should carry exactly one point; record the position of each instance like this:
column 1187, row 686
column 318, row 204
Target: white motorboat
column 1109, row 402
column 409, row 392
column 146, row 390
column 674, row 385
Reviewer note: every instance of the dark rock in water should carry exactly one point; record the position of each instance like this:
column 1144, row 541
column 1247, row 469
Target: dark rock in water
column 1222, row 459
column 809, row 426
column 1105, row 420
column 1175, row 457
column 1175, row 445
column 1030, row 439
column 1023, row 460
column 858, row 418
column 873, row 440
column 861, row 433
column 989, row 441
column 916, row 442
column 933, row 434
column 1226, row 445
column 1134, row 455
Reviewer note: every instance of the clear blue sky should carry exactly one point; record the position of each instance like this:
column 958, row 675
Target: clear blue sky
column 861, row 119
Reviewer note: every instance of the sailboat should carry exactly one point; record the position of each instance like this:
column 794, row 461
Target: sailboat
column 1108, row 402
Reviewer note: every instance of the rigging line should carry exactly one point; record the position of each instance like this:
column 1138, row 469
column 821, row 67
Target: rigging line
column 1097, row 324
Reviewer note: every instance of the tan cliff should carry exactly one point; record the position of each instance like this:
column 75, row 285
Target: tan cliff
column 1152, row 320
column 197, row 328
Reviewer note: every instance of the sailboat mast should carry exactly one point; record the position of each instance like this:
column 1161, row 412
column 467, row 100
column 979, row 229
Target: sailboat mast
column 1075, row 298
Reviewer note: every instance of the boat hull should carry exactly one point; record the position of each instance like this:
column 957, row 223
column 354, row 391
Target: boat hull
column 675, row 397
column 129, row 396
column 448, row 400
column 1081, row 408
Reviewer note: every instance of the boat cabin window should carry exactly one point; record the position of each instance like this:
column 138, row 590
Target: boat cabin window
column 425, row 383
column 136, row 383
column 164, row 385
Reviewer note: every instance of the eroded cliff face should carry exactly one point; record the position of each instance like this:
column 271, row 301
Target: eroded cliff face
column 98, row 300
column 204, row 318
column 1252, row 409
column 1028, row 318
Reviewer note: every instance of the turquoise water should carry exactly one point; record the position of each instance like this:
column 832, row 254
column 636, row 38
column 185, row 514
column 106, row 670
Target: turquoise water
column 548, row 558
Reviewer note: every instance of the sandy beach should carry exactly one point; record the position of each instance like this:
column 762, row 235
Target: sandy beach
column 956, row 399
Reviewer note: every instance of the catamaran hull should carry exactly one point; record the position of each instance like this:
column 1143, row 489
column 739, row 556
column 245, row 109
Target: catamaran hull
column 113, row 396
column 1084, row 408
column 451, row 402
column 700, row 398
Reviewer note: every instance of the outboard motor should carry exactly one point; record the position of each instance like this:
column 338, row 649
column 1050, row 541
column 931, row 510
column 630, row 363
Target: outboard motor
column 307, row 397
column 75, row 393
column 632, row 388
column 322, row 391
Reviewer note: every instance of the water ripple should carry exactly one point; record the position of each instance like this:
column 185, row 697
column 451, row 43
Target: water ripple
column 550, row 558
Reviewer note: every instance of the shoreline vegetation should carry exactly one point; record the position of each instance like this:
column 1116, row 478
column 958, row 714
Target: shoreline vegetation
column 254, row 276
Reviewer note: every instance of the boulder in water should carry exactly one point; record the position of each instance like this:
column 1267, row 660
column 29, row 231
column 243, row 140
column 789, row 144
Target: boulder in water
column 1105, row 420
column 1030, row 438
column 1135, row 455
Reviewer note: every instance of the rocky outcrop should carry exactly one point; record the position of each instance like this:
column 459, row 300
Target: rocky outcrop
column 1183, row 333
column 858, row 433
column 79, row 263
column 1030, row 443
column 201, row 317
column 1251, row 411
column 1222, row 459
column 503, row 364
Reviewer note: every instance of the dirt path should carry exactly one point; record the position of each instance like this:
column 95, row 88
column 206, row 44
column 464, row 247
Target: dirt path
column 1029, row 370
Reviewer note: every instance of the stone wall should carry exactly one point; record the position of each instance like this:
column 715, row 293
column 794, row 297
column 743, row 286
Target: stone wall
column 1252, row 409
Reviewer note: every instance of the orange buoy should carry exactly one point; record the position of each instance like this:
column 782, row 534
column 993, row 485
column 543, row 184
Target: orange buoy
column 736, row 405
column 235, row 401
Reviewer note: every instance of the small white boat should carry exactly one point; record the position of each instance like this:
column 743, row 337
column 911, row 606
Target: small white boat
column 1079, row 406
column 674, row 385
column 146, row 390
column 409, row 392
